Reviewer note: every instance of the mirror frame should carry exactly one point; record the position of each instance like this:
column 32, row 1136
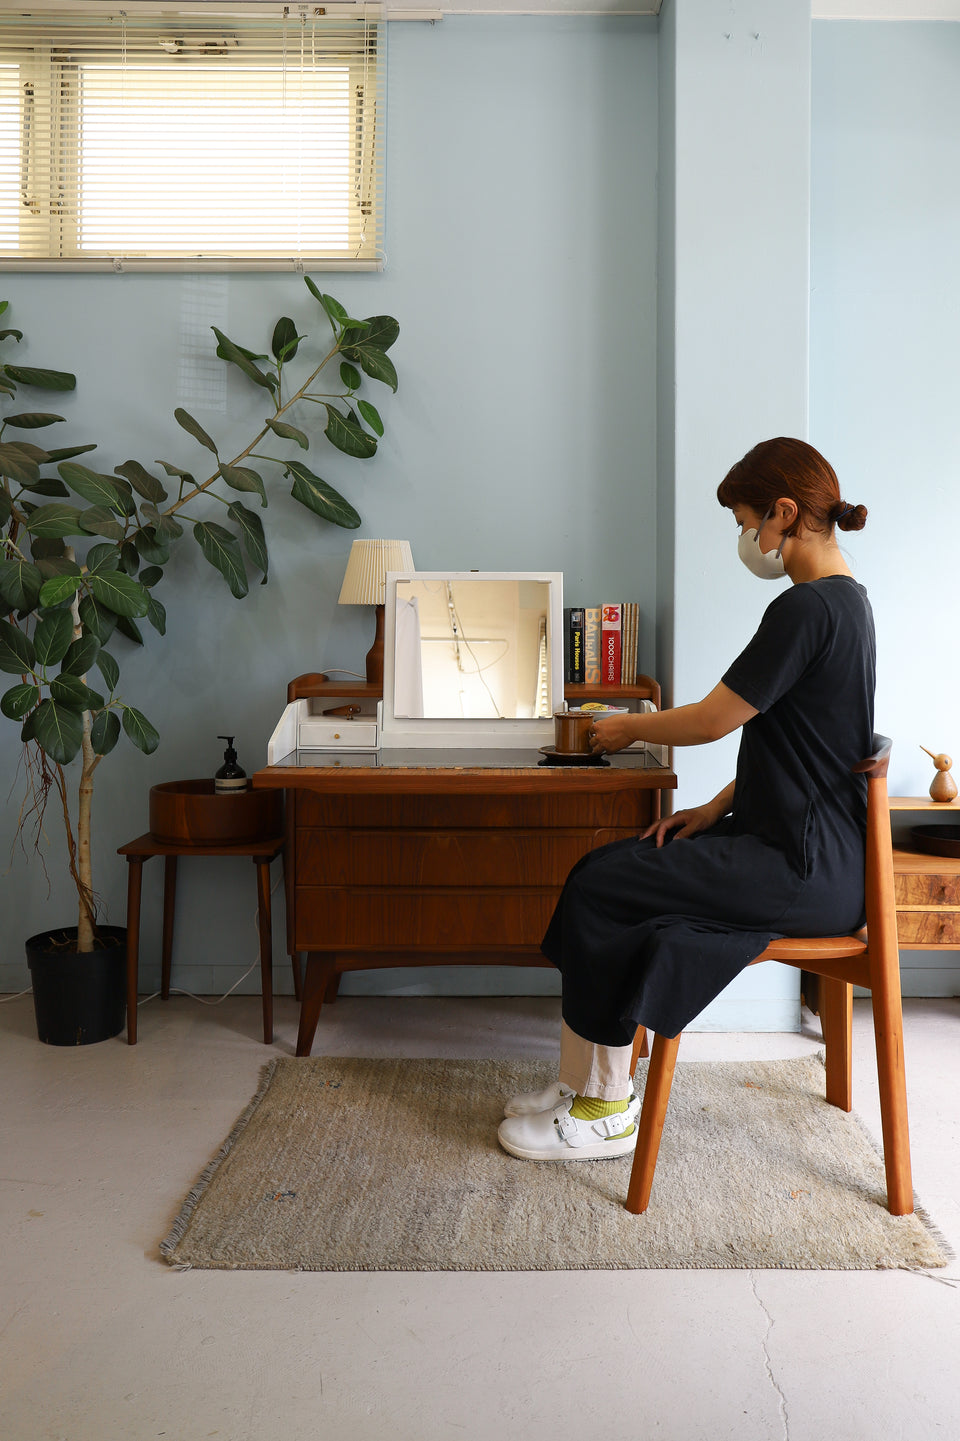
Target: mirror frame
column 421, row 731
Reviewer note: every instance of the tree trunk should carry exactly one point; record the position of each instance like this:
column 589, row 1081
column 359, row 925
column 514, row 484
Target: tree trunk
column 84, row 876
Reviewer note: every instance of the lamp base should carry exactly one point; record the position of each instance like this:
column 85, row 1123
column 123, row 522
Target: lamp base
column 375, row 653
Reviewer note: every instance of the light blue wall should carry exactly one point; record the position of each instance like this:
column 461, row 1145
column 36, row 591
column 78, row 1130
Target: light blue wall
column 521, row 254
column 885, row 368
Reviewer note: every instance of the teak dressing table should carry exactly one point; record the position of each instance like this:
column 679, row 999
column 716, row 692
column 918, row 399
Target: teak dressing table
column 441, row 857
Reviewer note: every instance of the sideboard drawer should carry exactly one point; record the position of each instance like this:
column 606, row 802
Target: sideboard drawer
column 356, row 918
column 630, row 810
column 926, row 888
column 928, row 928
column 444, row 858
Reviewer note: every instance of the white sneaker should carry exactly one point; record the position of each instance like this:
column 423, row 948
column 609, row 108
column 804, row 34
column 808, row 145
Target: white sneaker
column 558, row 1136
column 530, row 1102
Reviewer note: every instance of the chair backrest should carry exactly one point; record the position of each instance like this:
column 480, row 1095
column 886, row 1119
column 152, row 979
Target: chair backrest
column 879, row 882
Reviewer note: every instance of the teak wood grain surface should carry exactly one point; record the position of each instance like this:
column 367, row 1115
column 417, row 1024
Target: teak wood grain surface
column 398, row 865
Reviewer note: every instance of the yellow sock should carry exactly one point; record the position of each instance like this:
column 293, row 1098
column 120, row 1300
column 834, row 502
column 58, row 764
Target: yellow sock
column 588, row 1108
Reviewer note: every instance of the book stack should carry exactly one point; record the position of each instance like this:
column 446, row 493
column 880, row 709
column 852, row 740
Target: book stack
column 600, row 643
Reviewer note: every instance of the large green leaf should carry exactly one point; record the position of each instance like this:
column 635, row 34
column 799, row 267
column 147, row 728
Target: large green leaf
column 119, row 593
column 350, row 376
column 140, row 731
column 285, row 341
column 54, row 565
column 157, row 615
column 98, row 520
column 59, row 588
column 142, row 481
column 69, row 451
column 58, row 729
column 227, row 350
column 17, row 655
column 47, row 485
column 371, row 415
column 105, row 732
column 222, row 550
column 55, row 521
column 81, row 655
column 42, row 379
column 163, row 524
column 42, row 549
column 20, row 584
column 153, row 548
column 32, row 420
column 17, row 464
column 69, row 690
column 172, row 469
column 320, row 497
column 251, row 531
column 130, row 629
column 103, row 556
column 97, row 619
column 19, row 699
column 380, row 331
column 109, row 669
column 52, row 636
column 378, row 365
column 194, row 428
column 333, row 307
column 241, row 477
column 129, row 557
column 348, row 437
column 150, row 575
column 288, row 432
column 101, row 490
column 33, row 452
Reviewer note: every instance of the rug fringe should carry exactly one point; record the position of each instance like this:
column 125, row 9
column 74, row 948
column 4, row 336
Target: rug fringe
column 170, row 1242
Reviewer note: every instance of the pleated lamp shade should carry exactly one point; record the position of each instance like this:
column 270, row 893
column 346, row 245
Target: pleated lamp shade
column 365, row 580
column 365, row 583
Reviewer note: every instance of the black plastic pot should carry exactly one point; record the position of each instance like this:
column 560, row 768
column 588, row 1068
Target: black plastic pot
column 79, row 997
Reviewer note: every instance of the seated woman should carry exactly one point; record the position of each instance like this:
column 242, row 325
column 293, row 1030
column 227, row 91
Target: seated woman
column 649, row 930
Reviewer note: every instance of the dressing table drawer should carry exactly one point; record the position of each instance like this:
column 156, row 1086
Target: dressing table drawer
column 450, row 919
column 928, row 928
column 476, row 857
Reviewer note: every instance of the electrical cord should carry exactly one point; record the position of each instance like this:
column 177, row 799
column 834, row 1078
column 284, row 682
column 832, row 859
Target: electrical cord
column 218, row 1000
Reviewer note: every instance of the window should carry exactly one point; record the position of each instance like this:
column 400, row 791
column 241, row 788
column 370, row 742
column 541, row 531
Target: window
column 207, row 139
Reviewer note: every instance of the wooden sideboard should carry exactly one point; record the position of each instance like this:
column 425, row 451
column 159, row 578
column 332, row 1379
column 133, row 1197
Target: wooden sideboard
column 927, row 887
column 399, row 858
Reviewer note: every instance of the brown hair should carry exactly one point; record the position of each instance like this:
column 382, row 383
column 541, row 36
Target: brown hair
column 791, row 468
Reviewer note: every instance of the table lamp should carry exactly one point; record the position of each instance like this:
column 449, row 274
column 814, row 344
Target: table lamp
column 365, row 583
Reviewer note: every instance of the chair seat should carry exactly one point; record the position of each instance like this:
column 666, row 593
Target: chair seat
column 813, row 948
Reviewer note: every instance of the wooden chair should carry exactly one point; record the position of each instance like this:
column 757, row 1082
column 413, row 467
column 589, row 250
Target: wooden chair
column 870, row 959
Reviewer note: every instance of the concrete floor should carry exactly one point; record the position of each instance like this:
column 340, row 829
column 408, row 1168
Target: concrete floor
column 101, row 1340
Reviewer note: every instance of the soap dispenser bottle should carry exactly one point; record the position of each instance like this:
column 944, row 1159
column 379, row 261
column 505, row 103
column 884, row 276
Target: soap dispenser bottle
column 230, row 778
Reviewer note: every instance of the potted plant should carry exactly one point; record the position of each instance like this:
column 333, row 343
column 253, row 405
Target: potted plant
column 83, row 560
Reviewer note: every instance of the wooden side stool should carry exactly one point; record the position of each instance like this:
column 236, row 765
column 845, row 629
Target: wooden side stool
column 188, row 819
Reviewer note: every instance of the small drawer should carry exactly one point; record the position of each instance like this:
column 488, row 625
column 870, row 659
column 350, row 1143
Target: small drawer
column 929, row 928
column 337, row 733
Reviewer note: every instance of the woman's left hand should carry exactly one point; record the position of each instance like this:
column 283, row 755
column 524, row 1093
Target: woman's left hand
column 612, row 732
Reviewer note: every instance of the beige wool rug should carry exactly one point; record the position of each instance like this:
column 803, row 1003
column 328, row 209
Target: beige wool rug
column 393, row 1165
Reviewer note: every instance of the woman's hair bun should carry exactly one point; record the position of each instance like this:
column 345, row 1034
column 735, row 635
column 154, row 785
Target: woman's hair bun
column 851, row 517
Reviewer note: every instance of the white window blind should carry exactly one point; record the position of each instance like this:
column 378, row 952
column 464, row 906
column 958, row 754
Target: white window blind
column 198, row 137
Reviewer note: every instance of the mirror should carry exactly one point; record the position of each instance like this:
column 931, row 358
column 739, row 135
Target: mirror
column 472, row 657
column 472, row 649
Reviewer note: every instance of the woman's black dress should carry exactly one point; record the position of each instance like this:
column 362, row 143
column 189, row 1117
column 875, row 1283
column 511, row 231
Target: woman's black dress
column 649, row 936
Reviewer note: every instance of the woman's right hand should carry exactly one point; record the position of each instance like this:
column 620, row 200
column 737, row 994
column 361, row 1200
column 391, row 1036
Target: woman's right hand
column 683, row 823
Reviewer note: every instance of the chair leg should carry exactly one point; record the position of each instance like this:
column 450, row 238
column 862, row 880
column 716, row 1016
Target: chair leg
column 836, row 1022
column 640, row 1048
column 888, row 1033
column 652, row 1116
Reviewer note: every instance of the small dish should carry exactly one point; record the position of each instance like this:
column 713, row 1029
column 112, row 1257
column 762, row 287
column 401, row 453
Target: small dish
column 936, row 840
column 553, row 757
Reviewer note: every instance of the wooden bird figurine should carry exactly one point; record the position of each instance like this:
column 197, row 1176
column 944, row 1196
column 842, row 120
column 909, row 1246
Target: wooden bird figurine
column 943, row 787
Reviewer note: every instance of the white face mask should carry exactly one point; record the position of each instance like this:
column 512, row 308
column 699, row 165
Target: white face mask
column 766, row 565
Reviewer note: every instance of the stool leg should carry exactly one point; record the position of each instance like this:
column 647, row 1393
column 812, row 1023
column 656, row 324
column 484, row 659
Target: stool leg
column 169, row 907
column 652, row 1116
column 134, row 880
column 266, row 945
